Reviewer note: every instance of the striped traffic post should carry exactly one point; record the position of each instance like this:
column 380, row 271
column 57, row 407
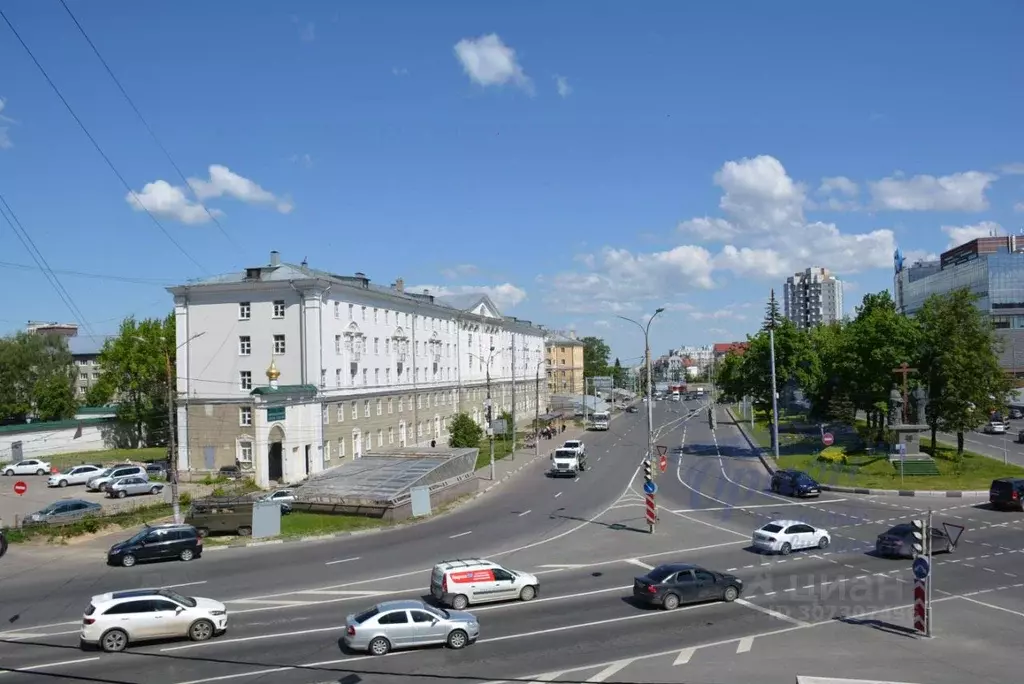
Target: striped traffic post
column 649, row 490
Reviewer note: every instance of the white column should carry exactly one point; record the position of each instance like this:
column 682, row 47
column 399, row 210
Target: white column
column 181, row 388
column 311, row 303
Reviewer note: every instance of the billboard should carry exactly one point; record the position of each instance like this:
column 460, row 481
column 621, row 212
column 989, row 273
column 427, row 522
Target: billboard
column 602, row 383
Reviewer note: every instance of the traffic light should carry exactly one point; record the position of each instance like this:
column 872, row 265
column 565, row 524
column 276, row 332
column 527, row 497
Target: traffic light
column 918, row 544
column 648, row 471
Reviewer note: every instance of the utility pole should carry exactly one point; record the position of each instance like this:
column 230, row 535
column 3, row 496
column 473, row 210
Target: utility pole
column 775, row 393
column 171, row 434
column 536, row 414
column 931, row 569
column 490, row 412
column 512, row 453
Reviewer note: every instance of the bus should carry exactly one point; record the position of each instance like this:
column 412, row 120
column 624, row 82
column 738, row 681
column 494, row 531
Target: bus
column 599, row 420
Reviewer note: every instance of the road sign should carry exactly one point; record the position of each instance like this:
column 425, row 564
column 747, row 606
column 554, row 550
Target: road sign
column 662, row 450
column 828, row 439
column 650, row 488
column 652, row 511
column 950, row 529
column 663, row 463
column 20, row 487
column 921, row 568
column 920, row 607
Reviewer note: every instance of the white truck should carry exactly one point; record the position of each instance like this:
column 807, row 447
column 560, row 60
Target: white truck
column 576, row 445
column 565, row 461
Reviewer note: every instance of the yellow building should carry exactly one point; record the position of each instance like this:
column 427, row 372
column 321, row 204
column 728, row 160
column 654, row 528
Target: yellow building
column 564, row 363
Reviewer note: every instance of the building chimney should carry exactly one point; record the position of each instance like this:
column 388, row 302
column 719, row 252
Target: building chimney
column 275, row 258
column 400, row 285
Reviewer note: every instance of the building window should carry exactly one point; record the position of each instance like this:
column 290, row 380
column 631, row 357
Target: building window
column 341, row 413
column 337, row 309
column 401, row 403
column 337, row 377
column 341, row 447
column 376, row 345
column 391, row 435
column 325, row 415
column 244, row 311
column 279, row 308
column 366, row 408
column 363, row 314
column 245, row 380
column 355, row 411
column 245, row 452
column 387, row 317
column 419, row 429
column 244, row 345
column 245, row 416
column 327, row 450
column 390, row 406
column 380, row 438
column 279, row 344
column 380, row 407
column 387, row 346
column 387, row 376
column 376, row 376
column 366, row 376
column 376, row 315
column 351, row 309
column 435, row 400
column 419, row 401
column 337, row 344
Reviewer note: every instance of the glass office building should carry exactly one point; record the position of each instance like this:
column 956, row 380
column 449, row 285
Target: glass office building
column 992, row 269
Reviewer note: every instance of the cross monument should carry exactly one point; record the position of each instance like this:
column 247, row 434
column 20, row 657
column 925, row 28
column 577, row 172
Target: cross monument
column 904, row 370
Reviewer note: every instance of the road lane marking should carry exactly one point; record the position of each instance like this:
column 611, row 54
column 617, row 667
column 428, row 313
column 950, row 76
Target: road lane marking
column 607, row 672
column 186, row 584
column 728, row 508
column 341, row 592
column 744, row 645
column 274, row 602
column 639, row 563
column 344, row 560
column 772, row 613
column 558, row 495
column 684, row 656
column 44, row 666
column 992, row 606
column 460, row 534
column 526, row 512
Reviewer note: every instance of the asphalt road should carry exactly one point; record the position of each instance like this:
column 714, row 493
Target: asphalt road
column 286, row 623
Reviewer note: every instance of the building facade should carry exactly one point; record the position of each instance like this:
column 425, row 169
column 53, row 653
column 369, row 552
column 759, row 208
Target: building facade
column 813, row 297
column 699, row 356
column 992, row 269
column 564, row 355
column 287, row 370
column 85, row 350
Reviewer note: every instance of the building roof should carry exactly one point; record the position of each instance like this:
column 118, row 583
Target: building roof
column 562, row 340
column 87, row 345
column 726, row 347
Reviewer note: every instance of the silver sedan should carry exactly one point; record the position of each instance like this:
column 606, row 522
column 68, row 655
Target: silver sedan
column 130, row 486
column 407, row 624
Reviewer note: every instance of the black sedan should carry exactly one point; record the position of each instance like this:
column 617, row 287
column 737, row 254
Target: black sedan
column 671, row 585
column 898, row 542
column 794, row 483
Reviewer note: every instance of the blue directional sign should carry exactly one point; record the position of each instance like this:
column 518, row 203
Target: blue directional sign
column 921, row 568
column 650, row 488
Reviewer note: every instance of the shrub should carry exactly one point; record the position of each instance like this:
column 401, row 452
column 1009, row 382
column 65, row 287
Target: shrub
column 833, row 455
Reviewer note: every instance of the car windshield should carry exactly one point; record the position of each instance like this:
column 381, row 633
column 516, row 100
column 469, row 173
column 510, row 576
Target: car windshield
column 660, row 574
column 105, row 473
column 803, row 478
column 138, row 536
column 175, row 596
column 771, row 527
column 51, row 508
column 439, row 613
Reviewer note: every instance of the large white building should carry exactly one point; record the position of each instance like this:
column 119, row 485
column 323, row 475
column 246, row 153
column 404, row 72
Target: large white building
column 813, row 297
column 287, row 370
column 701, row 356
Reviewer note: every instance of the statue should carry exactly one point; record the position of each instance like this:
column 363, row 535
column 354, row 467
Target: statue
column 895, row 407
column 921, row 404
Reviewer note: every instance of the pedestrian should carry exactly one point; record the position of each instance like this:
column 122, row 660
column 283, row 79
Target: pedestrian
column 433, row 443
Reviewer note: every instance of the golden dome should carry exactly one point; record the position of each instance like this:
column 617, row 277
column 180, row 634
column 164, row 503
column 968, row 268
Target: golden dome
column 272, row 373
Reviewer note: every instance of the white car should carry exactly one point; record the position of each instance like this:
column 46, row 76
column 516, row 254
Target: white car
column 280, row 496
column 784, row 536
column 995, row 428
column 76, row 476
column 114, row 620
column 32, row 466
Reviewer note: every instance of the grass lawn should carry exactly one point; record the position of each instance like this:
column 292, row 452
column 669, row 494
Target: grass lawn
column 303, row 524
column 108, row 457
column 91, row 525
column 502, row 448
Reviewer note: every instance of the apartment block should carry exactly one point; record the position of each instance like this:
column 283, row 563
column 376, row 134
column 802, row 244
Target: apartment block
column 813, row 297
column 564, row 363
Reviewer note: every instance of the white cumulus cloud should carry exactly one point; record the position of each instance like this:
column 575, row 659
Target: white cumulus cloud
column 5, row 137
column 489, row 62
column 165, row 200
column 563, row 87
column 955, row 192
column 1019, row 207
column 504, row 296
column 958, row 235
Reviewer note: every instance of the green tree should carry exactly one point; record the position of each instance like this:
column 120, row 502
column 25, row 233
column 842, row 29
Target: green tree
column 772, row 316
column 825, row 388
column 730, row 379
column 37, row 376
column 794, row 363
column 134, row 373
column 959, row 363
column 619, row 374
column 464, row 433
column 595, row 357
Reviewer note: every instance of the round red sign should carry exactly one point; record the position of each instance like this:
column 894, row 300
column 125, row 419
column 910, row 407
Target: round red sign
column 827, row 439
column 20, row 487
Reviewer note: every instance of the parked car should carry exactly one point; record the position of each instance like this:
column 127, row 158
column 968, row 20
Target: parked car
column 157, row 542
column 794, row 483
column 230, row 472
column 116, row 619
column 32, row 466
column 280, row 496
column 132, row 486
column 995, row 428
column 99, row 483
column 63, row 512
column 671, row 585
column 157, row 469
column 404, row 624
column 80, row 474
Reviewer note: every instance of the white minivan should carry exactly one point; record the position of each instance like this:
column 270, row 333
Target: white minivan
column 464, row 582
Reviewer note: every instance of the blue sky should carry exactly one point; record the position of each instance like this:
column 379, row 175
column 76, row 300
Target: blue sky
column 578, row 161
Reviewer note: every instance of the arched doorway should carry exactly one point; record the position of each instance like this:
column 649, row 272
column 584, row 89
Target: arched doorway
column 275, row 464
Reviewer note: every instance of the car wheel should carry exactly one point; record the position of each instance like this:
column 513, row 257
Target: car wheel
column 460, row 602
column 786, row 548
column 527, row 594
column 457, row 639
column 40, row 472
column 114, row 641
column 62, row 483
column 671, row 602
column 186, row 555
column 379, row 646
column 823, row 543
column 128, row 560
column 121, row 494
column 201, row 630
column 730, row 594
column 154, row 490
column 8, row 473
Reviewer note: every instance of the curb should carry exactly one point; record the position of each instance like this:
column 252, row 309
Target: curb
column 769, row 464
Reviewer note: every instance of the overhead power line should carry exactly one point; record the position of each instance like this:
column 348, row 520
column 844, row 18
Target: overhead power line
column 93, row 276
column 96, row 144
column 145, row 123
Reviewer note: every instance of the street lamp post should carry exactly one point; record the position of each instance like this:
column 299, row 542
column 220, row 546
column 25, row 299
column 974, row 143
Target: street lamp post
column 650, row 385
column 536, row 413
column 488, row 413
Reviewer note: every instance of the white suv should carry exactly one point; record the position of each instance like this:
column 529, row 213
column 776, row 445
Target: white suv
column 114, row 620
column 100, row 481
column 463, row 582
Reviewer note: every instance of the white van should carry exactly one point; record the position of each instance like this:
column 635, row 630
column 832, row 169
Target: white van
column 464, row 582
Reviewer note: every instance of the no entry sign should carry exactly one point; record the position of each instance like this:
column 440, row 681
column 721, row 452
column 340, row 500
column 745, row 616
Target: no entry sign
column 20, row 487
column 827, row 439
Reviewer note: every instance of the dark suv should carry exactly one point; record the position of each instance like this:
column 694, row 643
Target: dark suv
column 158, row 542
column 794, row 483
column 1007, row 492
